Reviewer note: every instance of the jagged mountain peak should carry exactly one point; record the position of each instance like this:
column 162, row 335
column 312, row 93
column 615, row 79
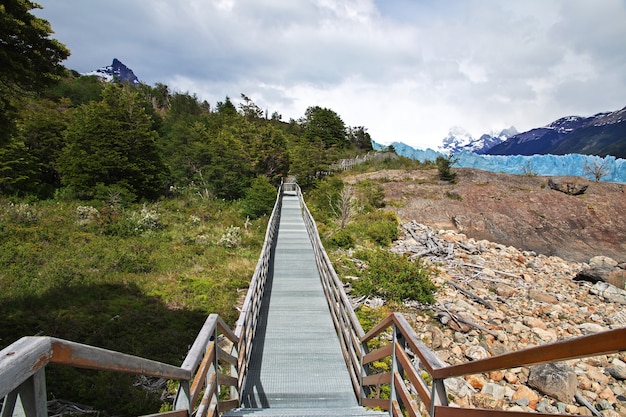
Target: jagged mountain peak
column 459, row 140
column 117, row 71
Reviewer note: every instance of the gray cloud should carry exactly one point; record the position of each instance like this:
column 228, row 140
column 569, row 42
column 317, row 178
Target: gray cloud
column 407, row 70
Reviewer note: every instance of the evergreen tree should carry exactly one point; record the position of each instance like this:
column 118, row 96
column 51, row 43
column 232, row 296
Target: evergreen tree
column 111, row 145
column 326, row 125
column 29, row 58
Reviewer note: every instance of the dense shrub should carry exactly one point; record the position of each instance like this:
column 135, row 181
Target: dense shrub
column 381, row 227
column 394, row 277
column 342, row 239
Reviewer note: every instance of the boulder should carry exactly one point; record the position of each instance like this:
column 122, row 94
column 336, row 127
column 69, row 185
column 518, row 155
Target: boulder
column 554, row 379
column 605, row 273
column 602, row 261
column 609, row 292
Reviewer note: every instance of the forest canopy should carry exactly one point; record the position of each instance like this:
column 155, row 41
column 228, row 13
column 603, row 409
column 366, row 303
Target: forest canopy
column 73, row 136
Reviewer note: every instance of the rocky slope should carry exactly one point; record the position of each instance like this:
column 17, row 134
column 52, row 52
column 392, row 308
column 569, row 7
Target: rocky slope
column 514, row 210
column 509, row 250
column 496, row 298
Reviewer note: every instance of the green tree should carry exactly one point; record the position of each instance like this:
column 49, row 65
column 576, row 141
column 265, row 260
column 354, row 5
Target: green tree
column 359, row 137
column 29, row 58
column 41, row 128
column 249, row 109
column 111, row 144
column 259, row 198
column 326, row 125
column 219, row 162
column 444, row 163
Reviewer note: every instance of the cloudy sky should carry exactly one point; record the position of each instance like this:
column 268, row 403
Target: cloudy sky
column 407, row 70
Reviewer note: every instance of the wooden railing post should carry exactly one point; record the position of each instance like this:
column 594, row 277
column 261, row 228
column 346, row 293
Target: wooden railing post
column 29, row 399
column 182, row 401
column 393, row 397
column 438, row 396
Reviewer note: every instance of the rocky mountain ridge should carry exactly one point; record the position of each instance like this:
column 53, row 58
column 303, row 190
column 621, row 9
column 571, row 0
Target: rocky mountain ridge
column 601, row 134
column 117, row 71
column 459, row 140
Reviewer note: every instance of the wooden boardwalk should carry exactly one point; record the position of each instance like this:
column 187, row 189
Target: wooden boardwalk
column 296, row 360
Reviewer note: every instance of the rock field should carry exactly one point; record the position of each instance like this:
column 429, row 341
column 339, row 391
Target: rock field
column 497, row 298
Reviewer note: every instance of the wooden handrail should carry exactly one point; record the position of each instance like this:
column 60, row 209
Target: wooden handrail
column 604, row 343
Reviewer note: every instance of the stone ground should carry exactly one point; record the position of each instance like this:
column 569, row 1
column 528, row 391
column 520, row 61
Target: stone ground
column 514, row 247
column 513, row 300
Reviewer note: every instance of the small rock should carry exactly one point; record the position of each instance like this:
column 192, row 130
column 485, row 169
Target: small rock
column 504, row 290
column 494, row 390
column 555, row 379
column 607, row 394
column 496, row 376
column 604, row 405
column 618, row 319
column 610, row 413
column 544, row 406
column 524, row 396
column 545, row 335
column 475, row 381
column 617, row 372
column 511, row 377
column 588, row 328
column 596, row 375
column 602, row 261
column 609, row 292
column 458, row 387
column 487, row 401
column 542, row 296
column 475, row 353
column 535, row 322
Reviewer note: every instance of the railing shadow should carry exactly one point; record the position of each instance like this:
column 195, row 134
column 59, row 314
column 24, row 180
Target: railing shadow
column 253, row 393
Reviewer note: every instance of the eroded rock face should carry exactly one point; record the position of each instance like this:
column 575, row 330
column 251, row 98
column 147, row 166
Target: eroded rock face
column 554, row 379
column 513, row 210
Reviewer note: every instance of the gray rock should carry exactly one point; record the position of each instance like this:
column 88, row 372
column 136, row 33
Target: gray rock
column 605, row 273
column 544, row 406
column 602, row 261
column 617, row 372
column 554, row 379
column 495, row 390
column 609, row 292
column 458, row 387
column 523, row 402
column 604, row 405
column 476, row 352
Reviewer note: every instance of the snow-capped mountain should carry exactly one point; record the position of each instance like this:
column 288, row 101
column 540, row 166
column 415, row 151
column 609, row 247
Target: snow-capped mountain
column 601, row 134
column 117, row 71
column 459, row 139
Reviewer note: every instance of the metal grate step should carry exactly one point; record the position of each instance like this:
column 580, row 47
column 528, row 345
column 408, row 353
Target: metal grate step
column 306, row 412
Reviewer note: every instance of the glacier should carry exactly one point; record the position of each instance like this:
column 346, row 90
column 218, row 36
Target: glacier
column 544, row 165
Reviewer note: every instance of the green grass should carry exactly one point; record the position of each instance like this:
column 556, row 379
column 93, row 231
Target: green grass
column 140, row 280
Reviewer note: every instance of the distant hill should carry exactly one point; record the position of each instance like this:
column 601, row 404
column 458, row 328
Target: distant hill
column 602, row 134
column 117, row 71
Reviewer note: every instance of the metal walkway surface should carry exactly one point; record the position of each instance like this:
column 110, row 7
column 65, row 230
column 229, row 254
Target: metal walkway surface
column 296, row 360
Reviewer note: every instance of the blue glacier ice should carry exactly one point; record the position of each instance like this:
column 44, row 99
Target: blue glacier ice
column 545, row 165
